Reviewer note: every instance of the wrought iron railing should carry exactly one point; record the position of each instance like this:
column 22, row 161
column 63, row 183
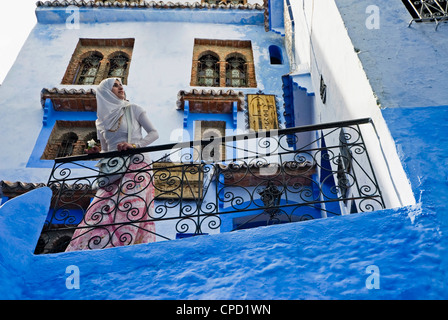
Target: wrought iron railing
column 427, row 10
column 211, row 186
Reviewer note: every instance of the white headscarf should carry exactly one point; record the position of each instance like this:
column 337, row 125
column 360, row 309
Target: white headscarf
column 109, row 107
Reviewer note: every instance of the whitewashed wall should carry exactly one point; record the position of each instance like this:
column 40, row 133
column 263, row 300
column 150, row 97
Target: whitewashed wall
column 325, row 49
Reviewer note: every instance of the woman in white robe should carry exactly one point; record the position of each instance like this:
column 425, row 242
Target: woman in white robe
column 121, row 212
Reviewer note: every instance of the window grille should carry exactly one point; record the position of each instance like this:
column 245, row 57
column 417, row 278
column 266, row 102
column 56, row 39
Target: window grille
column 118, row 67
column 66, row 145
column 236, row 72
column 86, row 66
column 89, row 69
column 208, row 71
column 223, row 63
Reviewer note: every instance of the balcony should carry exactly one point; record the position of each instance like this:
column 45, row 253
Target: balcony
column 218, row 185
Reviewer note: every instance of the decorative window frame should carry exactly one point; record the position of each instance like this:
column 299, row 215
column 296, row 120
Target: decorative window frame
column 210, row 102
column 70, row 107
column 202, row 76
column 107, row 48
column 57, row 145
column 224, row 49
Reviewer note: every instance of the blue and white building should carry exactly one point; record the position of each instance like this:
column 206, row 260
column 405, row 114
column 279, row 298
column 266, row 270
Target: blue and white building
column 326, row 64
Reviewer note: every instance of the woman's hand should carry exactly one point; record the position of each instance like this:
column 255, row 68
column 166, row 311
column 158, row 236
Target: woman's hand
column 94, row 149
column 122, row 146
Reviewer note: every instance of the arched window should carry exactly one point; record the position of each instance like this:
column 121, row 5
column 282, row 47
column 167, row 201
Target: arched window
column 66, row 145
column 89, row 69
column 118, row 66
column 236, row 71
column 208, row 70
column 275, row 54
